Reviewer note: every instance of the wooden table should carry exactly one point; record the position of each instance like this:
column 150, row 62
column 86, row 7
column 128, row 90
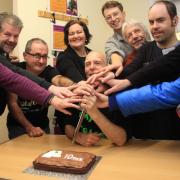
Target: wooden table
column 138, row 160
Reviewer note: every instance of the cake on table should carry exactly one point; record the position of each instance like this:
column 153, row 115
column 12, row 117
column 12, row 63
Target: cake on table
column 65, row 161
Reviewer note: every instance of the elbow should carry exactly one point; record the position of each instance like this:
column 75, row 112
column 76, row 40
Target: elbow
column 121, row 141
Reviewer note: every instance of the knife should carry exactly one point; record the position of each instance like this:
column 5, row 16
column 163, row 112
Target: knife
column 78, row 125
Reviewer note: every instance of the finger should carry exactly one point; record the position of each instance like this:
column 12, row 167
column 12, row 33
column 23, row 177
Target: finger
column 60, row 95
column 72, row 87
column 65, row 111
column 83, row 92
column 67, row 93
column 71, row 105
column 100, row 96
column 119, row 70
column 110, row 91
column 108, row 77
column 74, row 100
column 95, row 77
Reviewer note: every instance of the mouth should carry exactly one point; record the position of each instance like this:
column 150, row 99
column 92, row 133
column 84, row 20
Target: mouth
column 115, row 23
column 138, row 42
column 156, row 34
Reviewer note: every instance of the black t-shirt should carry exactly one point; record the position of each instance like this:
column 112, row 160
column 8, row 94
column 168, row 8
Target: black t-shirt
column 89, row 126
column 71, row 65
column 35, row 113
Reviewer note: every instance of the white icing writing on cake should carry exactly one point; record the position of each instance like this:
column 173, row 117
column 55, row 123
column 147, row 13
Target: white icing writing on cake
column 52, row 153
column 72, row 157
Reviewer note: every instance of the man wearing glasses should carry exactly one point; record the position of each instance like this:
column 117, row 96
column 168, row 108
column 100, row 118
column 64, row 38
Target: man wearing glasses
column 27, row 116
column 116, row 47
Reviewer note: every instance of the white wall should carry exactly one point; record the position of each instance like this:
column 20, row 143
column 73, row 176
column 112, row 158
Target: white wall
column 6, row 6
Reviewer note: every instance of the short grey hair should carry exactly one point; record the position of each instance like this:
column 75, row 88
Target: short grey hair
column 10, row 19
column 133, row 22
column 31, row 41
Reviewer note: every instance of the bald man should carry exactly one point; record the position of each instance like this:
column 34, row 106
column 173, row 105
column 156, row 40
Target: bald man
column 97, row 123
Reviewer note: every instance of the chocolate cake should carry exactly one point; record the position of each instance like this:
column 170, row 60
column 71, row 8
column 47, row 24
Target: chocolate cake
column 65, row 161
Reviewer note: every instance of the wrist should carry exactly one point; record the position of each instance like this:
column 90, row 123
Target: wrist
column 49, row 99
column 127, row 83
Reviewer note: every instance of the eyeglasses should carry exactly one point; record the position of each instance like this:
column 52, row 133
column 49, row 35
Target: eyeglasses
column 113, row 15
column 38, row 56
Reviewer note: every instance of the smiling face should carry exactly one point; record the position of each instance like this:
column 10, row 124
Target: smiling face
column 36, row 59
column 114, row 17
column 9, row 37
column 135, row 36
column 76, row 36
column 162, row 27
column 93, row 63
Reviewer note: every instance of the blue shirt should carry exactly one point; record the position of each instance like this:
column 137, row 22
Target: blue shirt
column 147, row 98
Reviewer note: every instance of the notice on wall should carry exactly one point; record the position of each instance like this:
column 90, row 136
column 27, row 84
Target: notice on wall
column 58, row 6
column 58, row 38
column 72, row 7
column 64, row 6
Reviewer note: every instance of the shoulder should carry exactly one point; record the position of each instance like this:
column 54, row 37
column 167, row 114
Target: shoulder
column 22, row 64
column 112, row 39
column 50, row 70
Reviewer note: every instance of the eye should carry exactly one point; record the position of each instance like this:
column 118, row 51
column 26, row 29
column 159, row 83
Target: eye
column 87, row 64
column 151, row 22
column 7, row 34
column 71, row 33
column 137, row 30
column 160, row 20
column 129, row 36
column 97, row 62
column 79, row 32
column 37, row 56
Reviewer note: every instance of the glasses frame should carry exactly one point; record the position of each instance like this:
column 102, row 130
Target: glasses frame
column 38, row 56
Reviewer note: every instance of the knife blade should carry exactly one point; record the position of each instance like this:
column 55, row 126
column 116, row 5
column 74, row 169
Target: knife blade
column 78, row 125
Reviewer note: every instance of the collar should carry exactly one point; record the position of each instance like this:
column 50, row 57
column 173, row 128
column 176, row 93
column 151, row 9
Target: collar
column 167, row 50
column 118, row 36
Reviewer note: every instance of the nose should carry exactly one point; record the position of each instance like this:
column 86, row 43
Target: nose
column 155, row 25
column 113, row 17
column 92, row 66
column 12, row 39
column 43, row 60
column 75, row 35
column 134, row 35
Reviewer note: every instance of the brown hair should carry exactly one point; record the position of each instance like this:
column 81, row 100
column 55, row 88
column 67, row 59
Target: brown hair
column 81, row 23
column 111, row 4
column 170, row 6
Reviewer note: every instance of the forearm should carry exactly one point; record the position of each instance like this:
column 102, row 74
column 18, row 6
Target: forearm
column 16, row 111
column 113, row 132
column 69, row 131
column 22, row 86
column 116, row 59
column 62, row 81
column 147, row 98
column 23, row 72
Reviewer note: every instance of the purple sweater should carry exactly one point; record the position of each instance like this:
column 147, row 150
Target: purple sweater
column 22, row 86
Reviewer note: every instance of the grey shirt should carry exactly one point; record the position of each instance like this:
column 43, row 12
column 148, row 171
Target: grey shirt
column 116, row 44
